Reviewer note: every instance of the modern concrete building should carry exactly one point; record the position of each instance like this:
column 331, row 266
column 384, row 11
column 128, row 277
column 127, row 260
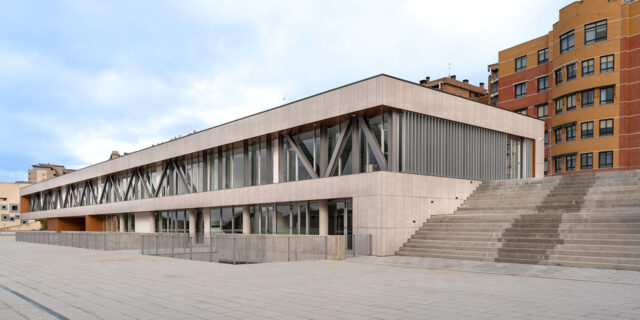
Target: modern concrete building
column 44, row 171
column 378, row 156
column 583, row 79
column 459, row 88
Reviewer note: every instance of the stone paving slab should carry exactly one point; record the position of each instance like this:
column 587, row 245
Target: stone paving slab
column 514, row 269
column 88, row 284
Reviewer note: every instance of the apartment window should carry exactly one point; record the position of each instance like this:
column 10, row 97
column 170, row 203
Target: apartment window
column 521, row 63
column 606, row 63
column 587, row 67
column 559, row 105
column 586, row 130
column 571, row 102
column 546, row 138
column 558, row 74
column 571, row 132
column 546, row 167
column 558, row 135
column 605, row 159
column 557, row 165
column 494, row 88
column 595, row 32
column 543, row 111
column 566, row 42
column 521, row 89
column 543, row 83
column 543, row 56
column 571, row 72
column 570, row 163
column 587, row 98
column 606, row 95
column 494, row 101
column 586, row 161
column 606, row 127
column 522, row 111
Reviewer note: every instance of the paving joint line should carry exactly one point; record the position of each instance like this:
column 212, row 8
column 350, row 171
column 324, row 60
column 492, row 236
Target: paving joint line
column 35, row 303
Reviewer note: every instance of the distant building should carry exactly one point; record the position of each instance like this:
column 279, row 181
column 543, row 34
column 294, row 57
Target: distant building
column 582, row 79
column 10, row 206
column 45, row 171
column 459, row 88
column 493, row 84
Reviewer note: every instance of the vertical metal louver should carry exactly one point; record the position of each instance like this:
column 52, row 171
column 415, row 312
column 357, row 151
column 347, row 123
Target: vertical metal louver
column 439, row 147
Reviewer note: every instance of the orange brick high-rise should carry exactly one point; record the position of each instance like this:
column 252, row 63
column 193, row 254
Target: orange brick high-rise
column 583, row 77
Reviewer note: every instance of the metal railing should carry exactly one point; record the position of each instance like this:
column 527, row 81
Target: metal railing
column 82, row 239
column 359, row 245
column 256, row 248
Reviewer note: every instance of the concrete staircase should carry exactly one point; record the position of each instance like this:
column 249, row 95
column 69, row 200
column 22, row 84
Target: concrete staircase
column 588, row 220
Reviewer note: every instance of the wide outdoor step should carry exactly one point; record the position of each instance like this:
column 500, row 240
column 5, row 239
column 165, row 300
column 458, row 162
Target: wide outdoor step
column 611, row 260
column 595, row 253
column 597, row 265
column 451, row 251
column 442, row 256
column 586, row 221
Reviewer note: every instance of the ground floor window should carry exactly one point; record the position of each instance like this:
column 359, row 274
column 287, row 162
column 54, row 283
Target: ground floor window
column 129, row 222
column 176, row 221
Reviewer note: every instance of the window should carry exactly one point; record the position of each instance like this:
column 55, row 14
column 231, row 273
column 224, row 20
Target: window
column 571, row 72
column 546, row 138
column 606, row 95
column 521, row 63
column 558, row 74
column 571, row 132
column 586, row 130
column 558, row 134
column 606, row 63
column 521, row 89
column 566, row 42
column 522, row 111
column 494, row 101
column 559, row 105
column 595, row 32
column 571, row 102
column 587, row 67
column 546, row 167
column 587, row 98
column 543, row 83
column 606, row 127
column 557, row 164
column 586, row 161
column 543, row 56
column 543, row 111
column 14, row 208
column 570, row 163
column 605, row 159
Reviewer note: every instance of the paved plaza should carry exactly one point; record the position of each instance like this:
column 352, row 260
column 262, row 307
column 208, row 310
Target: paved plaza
column 48, row 282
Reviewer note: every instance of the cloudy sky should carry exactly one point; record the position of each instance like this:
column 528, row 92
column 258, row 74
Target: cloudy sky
column 81, row 78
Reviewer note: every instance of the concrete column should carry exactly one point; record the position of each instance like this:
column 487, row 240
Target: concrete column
column 324, row 217
column 145, row 222
column 207, row 222
column 192, row 222
column 246, row 220
column 121, row 227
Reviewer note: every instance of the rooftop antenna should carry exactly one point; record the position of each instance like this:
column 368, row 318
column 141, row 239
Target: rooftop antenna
column 449, row 69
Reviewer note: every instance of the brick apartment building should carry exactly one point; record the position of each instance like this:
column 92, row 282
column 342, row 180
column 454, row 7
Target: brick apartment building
column 583, row 79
